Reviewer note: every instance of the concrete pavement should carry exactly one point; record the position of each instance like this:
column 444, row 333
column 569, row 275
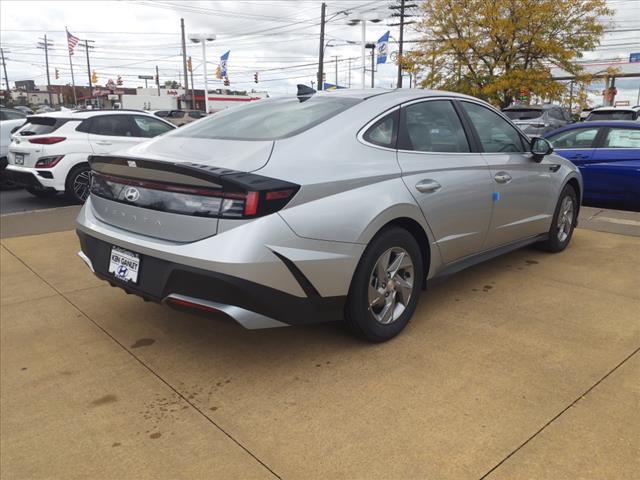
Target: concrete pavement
column 524, row 367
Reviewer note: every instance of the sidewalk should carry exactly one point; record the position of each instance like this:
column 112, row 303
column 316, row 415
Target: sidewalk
column 524, row 367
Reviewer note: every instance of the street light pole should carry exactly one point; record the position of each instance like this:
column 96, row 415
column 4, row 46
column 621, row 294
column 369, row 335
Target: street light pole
column 336, row 59
column 364, row 61
column 204, row 76
column 323, row 12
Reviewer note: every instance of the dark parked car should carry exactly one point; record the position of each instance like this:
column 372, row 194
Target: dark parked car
column 608, row 155
column 536, row 120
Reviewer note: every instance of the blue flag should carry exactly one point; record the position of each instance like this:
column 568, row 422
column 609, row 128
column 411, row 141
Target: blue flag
column 223, row 64
column 383, row 47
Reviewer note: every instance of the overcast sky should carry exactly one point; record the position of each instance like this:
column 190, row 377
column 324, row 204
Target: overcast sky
column 278, row 39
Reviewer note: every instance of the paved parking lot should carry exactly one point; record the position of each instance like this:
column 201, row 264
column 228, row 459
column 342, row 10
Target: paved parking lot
column 524, row 367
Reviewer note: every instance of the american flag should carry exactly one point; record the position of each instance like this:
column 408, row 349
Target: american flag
column 72, row 41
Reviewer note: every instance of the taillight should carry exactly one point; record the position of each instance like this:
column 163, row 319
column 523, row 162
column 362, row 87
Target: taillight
column 188, row 200
column 48, row 162
column 47, row 140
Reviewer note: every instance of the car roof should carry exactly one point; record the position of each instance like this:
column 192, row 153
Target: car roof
column 538, row 106
column 597, row 123
column 82, row 114
column 398, row 94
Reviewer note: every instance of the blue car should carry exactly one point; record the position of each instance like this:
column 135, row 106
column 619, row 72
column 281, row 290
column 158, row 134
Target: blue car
column 608, row 155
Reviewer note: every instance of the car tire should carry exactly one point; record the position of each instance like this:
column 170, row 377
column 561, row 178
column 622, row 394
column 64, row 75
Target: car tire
column 78, row 183
column 564, row 221
column 379, row 306
column 41, row 193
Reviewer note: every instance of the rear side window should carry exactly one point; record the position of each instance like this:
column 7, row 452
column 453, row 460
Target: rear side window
column 41, row 125
column 268, row 119
column 113, row 125
column 578, row 138
column 622, row 138
column 495, row 133
column 556, row 113
column 433, row 126
column 384, row 132
column 150, row 127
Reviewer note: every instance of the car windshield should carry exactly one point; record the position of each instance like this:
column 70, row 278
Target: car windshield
column 612, row 115
column 523, row 113
column 268, row 119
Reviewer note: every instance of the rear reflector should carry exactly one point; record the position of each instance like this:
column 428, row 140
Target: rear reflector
column 47, row 140
column 187, row 304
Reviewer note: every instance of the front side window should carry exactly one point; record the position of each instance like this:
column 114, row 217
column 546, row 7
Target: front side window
column 113, row 126
column 384, row 132
column 622, row 138
column 268, row 119
column 150, row 127
column 433, row 126
column 496, row 134
column 578, row 138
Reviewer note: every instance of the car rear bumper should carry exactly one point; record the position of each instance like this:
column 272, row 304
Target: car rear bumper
column 251, row 304
column 29, row 177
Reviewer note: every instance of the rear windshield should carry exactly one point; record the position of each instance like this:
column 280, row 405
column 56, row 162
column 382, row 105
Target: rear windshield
column 523, row 114
column 268, row 119
column 612, row 115
column 41, row 125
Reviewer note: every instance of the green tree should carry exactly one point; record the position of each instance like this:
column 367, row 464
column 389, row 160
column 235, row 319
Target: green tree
column 172, row 84
column 493, row 48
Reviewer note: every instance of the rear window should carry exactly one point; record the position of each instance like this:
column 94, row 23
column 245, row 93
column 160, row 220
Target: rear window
column 523, row 114
column 42, row 125
column 268, row 119
column 612, row 115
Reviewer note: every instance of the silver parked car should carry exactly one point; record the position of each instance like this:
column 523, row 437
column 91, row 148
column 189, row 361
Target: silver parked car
column 536, row 120
column 324, row 206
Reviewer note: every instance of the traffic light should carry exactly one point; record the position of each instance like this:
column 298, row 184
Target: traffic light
column 226, row 81
column 523, row 94
column 255, row 77
column 119, row 81
column 57, row 74
column 189, row 66
column 94, row 77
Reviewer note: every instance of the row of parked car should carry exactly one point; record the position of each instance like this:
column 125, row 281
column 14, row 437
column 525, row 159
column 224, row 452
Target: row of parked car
column 55, row 145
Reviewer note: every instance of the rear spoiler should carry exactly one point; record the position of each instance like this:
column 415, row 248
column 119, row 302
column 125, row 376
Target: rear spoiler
column 188, row 174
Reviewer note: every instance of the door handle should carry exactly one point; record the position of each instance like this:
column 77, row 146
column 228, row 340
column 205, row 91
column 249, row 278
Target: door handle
column 428, row 186
column 502, row 177
column 102, row 142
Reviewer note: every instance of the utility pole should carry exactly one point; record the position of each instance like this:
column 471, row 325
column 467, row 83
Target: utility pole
column 336, row 59
column 400, row 43
column 6, row 79
column 571, row 98
column 193, row 95
column 45, row 44
column 349, row 83
column 373, row 71
column 323, row 12
column 184, row 61
column 87, row 47
column 158, row 80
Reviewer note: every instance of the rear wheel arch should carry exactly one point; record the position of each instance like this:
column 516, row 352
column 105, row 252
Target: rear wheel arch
column 418, row 232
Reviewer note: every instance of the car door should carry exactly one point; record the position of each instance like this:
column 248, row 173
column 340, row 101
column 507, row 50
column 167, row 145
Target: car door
column 110, row 133
column 448, row 179
column 523, row 204
column 613, row 174
column 577, row 144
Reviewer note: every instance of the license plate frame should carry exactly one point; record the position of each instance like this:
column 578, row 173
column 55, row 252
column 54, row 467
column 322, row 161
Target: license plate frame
column 124, row 265
column 18, row 159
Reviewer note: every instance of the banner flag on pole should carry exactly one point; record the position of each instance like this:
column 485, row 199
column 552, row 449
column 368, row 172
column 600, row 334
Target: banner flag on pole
column 383, row 47
column 72, row 42
column 223, row 64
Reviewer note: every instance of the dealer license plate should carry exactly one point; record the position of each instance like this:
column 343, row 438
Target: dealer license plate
column 124, row 265
column 19, row 159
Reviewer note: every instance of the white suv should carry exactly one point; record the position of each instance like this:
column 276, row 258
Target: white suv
column 49, row 153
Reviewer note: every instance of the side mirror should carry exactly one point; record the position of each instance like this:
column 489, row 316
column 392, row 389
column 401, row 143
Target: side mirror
column 540, row 147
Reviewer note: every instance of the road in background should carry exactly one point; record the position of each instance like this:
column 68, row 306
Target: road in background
column 12, row 201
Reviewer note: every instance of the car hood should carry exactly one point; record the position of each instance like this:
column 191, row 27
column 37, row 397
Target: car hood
column 245, row 156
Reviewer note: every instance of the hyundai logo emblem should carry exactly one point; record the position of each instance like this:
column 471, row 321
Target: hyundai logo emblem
column 131, row 194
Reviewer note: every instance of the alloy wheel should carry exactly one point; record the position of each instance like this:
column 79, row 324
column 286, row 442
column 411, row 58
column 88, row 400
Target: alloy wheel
column 391, row 285
column 81, row 185
column 565, row 219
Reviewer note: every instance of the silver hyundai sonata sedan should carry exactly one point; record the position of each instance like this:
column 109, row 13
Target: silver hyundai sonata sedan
column 323, row 206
